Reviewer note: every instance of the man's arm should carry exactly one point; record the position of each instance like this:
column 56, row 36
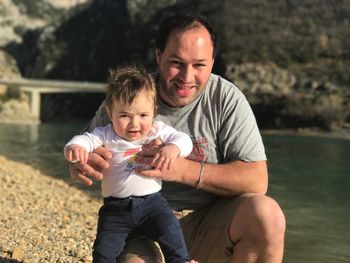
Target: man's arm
column 228, row 179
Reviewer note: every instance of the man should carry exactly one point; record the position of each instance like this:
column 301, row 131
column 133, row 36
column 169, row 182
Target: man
column 218, row 192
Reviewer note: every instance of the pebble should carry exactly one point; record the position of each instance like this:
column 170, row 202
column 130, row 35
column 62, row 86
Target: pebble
column 17, row 253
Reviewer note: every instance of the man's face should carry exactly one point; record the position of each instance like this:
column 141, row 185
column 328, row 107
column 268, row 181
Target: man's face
column 185, row 65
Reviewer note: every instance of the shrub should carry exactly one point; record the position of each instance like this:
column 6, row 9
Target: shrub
column 12, row 92
column 326, row 111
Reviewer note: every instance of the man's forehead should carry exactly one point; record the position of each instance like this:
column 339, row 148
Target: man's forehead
column 196, row 45
column 199, row 34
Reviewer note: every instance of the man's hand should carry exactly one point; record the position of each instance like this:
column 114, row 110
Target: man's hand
column 98, row 160
column 174, row 174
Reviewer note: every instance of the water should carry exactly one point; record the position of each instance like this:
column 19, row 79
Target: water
column 41, row 146
column 308, row 176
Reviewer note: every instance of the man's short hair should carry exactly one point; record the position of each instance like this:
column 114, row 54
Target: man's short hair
column 182, row 22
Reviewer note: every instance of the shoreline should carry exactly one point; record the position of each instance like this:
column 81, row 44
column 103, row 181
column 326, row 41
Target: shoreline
column 343, row 134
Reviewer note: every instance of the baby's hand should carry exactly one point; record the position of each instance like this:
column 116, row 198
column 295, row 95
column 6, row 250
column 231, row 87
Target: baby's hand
column 76, row 153
column 165, row 157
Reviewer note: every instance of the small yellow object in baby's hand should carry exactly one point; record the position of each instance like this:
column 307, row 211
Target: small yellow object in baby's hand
column 132, row 159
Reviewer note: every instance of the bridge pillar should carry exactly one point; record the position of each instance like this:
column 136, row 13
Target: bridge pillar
column 34, row 102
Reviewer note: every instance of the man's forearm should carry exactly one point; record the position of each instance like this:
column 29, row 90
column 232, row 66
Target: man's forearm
column 229, row 179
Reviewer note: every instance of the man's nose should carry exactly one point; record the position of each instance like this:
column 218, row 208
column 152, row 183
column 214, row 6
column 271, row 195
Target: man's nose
column 187, row 74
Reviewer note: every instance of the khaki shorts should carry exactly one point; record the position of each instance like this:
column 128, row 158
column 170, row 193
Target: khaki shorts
column 206, row 232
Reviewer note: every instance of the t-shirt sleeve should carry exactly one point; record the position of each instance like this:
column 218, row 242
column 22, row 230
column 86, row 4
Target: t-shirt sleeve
column 240, row 138
column 89, row 140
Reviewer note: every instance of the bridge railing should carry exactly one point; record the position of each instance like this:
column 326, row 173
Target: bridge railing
column 35, row 87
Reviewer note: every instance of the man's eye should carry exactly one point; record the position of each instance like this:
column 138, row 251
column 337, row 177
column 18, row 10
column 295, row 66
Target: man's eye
column 199, row 65
column 175, row 62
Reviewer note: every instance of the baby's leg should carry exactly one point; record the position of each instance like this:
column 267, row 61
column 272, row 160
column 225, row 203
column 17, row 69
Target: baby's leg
column 112, row 231
column 161, row 225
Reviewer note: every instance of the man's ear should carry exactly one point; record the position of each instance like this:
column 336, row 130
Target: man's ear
column 158, row 55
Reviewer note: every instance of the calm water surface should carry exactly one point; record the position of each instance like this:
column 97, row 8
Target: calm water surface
column 310, row 177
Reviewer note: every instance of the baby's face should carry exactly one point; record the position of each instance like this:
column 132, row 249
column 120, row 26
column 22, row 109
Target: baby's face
column 134, row 121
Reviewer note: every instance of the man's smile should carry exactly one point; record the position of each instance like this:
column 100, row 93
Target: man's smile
column 184, row 90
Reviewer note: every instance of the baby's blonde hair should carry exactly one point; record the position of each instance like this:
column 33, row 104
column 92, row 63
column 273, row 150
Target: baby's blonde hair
column 124, row 83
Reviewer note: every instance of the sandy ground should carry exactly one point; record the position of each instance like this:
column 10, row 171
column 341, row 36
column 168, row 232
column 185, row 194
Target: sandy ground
column 43, row 219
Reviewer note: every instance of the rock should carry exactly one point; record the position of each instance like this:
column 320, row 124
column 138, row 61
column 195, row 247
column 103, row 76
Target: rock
column 259, row 78
column 17, row 253
column 87, row 260
column 18, row 17
column 16, row 111
column 8, row 66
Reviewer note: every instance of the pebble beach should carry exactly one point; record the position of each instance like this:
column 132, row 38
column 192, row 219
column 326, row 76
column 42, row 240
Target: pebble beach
column 43, row 218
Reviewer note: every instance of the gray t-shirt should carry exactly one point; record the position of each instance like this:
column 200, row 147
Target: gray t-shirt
column 222, row 127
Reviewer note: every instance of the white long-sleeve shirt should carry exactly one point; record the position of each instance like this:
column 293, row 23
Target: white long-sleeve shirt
column 119, row 179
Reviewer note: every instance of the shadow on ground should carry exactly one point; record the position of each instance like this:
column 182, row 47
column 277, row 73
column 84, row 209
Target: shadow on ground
column 6, row 260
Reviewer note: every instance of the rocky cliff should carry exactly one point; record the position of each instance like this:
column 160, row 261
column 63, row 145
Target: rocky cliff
column 302, row 81
column 18, row 19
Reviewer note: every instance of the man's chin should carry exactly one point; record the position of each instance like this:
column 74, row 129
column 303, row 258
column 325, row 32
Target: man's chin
column 181, row 102
column 176, row 101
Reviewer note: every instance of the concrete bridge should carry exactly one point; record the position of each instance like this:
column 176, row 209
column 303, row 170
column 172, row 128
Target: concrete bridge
column 35, row 87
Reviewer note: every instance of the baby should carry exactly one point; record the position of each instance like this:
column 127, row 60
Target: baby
column 132, row 203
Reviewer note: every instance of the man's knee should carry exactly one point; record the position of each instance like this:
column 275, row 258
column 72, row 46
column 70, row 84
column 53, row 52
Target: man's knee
column 258, row 215
column 271, row 216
